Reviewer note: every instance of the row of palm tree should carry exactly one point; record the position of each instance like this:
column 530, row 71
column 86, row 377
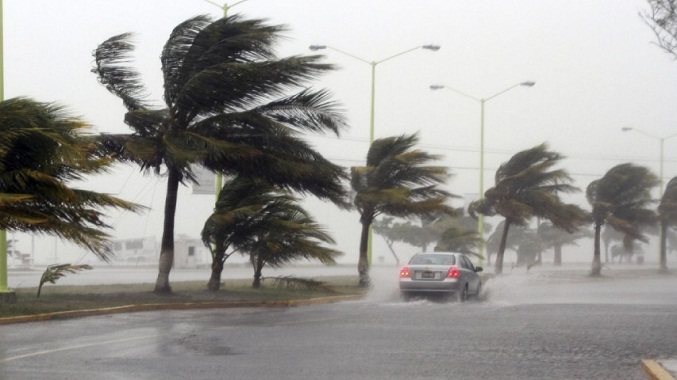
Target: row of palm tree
column 527, row 186
column 228, row 109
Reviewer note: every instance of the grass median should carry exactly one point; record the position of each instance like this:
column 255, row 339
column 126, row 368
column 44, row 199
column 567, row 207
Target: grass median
column 57, row 298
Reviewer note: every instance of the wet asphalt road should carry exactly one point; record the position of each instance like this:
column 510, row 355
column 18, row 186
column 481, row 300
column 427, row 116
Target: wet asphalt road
column 525, row 327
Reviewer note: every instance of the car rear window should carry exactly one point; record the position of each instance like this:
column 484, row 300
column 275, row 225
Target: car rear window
column 430, row 259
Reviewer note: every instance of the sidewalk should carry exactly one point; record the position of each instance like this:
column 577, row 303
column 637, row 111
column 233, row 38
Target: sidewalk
column 661, row 369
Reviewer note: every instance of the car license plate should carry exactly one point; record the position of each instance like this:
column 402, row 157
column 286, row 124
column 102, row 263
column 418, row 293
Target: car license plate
column 428, row 274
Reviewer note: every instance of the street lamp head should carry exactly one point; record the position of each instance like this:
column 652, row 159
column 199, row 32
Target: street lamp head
column 317, row 47
column 431, row 47
column 625, row 129
column 528, row 84
column 436, row 86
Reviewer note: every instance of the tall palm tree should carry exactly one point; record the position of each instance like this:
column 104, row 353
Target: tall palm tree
column 667, row 214
column 621, row 199
column 227, row 109
column 396, row 181
column 527, row 186
column 43, row 151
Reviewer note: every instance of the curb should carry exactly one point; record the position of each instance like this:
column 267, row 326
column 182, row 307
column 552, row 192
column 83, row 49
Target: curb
column 655, row 371
column 173, row 306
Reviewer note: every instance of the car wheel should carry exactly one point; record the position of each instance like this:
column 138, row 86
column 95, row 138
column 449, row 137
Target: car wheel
column 462, row 295
column 479, row 289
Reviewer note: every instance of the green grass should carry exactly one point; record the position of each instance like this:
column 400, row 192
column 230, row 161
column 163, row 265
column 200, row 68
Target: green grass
column 56, row 298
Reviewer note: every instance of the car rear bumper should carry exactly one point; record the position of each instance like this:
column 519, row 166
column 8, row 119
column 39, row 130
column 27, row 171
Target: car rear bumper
column 446, row 285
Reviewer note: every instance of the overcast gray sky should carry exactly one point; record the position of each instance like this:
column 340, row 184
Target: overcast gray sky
column 594, row 63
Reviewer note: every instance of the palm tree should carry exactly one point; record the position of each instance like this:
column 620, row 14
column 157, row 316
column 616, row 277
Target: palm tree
column 557, row 238
column 459, row 239
column 227, row 109
column 527, row 186
column 392, row 232
column 458, row 234
column 396, row 181
column 43, row 150
column 258, row 219
column 233, row 220
column 667, row 214
column 529, row 249
column 291, row 235
column 621, row 199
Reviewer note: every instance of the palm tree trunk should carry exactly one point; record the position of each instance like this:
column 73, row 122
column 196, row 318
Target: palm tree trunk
column 218, row 258
column 498, row 264
column 596, row 262
column 390, row 246
column 258, row 268
column 663, row 265
column 363, row 263
column 167, row 245
column 558, row 255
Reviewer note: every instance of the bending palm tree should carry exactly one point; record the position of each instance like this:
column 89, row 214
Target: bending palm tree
column 527, row 187
column 621, row 199
column 398, row 182
column 291, row 235
column 226, row 110
column 255, row 218
column 42, row 151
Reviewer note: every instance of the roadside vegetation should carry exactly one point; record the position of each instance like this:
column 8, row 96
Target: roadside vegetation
column 235, row 108
column 66, row 298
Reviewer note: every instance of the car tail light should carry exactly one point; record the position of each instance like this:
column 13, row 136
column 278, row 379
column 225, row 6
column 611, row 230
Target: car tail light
column 404, row 272
column 454, row 273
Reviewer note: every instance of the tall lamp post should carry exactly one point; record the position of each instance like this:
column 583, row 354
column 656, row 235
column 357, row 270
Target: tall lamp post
column 482, row 101
column 373, row 65
column 660, row 161
column 661, row 257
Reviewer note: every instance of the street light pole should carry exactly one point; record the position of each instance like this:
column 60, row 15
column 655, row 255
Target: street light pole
column 225, row 6
column 372, row 107
column 373, row 65
column 661, row 257
column 660, row 161
column 482, row 101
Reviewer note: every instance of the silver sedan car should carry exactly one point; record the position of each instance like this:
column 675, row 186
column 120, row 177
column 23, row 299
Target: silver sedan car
column 441, row 273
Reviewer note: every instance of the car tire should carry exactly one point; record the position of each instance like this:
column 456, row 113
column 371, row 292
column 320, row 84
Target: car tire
column 479, row 289
column 404, row 296
column 462, row 295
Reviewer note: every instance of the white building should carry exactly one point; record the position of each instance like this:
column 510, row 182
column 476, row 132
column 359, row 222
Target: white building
column 188, row 252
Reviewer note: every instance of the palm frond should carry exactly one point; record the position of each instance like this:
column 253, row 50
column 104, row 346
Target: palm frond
column 111, row 59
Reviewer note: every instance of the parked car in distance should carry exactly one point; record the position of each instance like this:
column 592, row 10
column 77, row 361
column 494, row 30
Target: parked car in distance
column 440, row 273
